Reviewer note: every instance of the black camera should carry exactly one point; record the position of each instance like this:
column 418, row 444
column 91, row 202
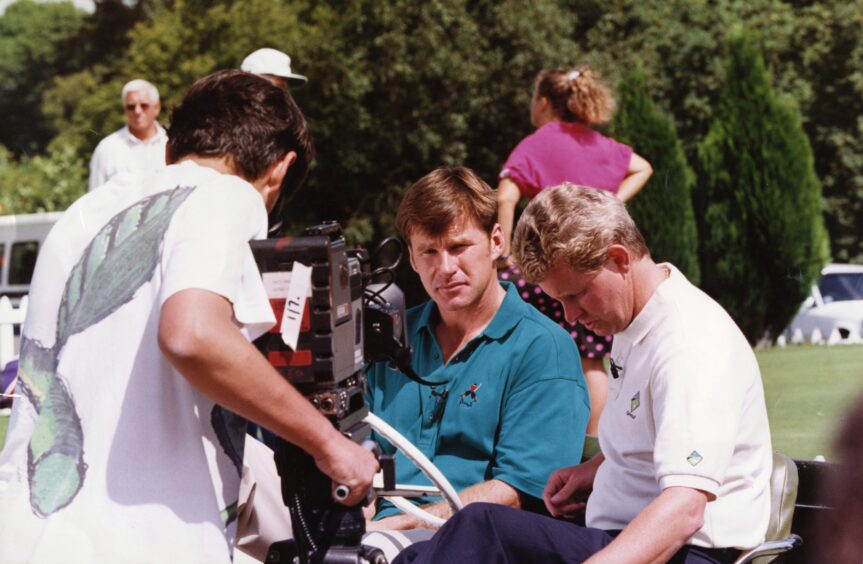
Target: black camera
column 350, row 315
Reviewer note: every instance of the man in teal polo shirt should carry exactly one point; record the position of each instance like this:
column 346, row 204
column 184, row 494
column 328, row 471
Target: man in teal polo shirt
column 513, row 405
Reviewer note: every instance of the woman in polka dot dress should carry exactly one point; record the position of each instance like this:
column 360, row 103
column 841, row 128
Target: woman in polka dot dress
column 564, row 148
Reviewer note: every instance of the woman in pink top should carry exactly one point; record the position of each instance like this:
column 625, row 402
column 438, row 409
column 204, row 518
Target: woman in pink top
column 564, row 148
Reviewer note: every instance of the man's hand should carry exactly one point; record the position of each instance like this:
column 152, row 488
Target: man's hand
column 351, row 465
column 567, row 489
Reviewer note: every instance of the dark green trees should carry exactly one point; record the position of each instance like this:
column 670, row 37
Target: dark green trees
column 761, row 231
column 32, row 41
column 663, row 208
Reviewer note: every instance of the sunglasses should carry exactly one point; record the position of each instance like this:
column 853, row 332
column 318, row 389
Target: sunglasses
column 131, row 107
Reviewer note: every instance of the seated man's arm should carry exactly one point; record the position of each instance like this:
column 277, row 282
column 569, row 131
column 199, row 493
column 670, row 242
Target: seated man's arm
column 492, row 491
column 544, row 415
column 567, row 489
column 660, row 530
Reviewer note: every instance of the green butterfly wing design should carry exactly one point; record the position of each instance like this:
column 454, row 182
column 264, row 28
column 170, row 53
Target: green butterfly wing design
column 120, row 259
column 36, row 368
column 230, row 513
column 55, row 459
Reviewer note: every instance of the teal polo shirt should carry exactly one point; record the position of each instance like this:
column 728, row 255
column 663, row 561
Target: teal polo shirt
column 513, row 405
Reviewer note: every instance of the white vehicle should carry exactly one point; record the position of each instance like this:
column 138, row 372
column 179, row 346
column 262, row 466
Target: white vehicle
column 21, row 237
column 835, row 307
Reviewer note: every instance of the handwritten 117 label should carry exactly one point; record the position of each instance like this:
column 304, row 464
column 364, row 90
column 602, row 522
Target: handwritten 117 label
column 295, row 287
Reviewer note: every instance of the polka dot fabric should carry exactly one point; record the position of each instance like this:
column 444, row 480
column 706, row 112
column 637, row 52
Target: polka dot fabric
column 590, row 345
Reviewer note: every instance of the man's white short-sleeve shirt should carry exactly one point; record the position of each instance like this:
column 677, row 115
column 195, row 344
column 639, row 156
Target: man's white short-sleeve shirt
column 687, row 409
column 123, row 152
column 140, row 466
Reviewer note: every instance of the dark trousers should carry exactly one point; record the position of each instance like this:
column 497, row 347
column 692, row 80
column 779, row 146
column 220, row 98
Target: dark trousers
column 488, row 533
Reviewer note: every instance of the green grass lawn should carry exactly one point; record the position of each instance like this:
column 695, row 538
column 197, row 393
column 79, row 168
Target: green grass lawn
column 807, row 388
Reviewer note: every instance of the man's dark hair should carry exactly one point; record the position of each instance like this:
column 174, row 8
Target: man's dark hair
column 247, row 119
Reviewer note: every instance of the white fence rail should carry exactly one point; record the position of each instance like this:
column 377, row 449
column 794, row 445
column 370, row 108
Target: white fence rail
column 10, row 316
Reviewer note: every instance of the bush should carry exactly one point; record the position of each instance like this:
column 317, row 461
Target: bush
column 761, row 230
column 663, row 208
column 42, row 183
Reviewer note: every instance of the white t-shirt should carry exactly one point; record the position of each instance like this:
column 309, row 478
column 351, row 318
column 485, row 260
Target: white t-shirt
column 686, row 410
column 117, row 458
column 123, row 152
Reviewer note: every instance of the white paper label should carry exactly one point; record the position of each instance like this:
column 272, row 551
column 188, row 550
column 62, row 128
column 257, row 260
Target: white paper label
column 295, row 302
column 277, row 284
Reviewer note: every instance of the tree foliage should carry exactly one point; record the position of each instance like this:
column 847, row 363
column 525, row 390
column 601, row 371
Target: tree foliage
column 814, row 50
column 663, row 208
column 397, row 88
column 762, row 235
column 31, row 54
column 41, row 183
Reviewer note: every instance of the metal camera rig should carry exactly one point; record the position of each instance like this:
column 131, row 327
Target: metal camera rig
column 347, row 322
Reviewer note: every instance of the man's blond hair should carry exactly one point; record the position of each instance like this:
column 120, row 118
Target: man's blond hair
column 575, row 224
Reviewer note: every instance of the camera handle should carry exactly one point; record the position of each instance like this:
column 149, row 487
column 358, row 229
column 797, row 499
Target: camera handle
column 425, row 465
column 341, row 491
column 396, row 494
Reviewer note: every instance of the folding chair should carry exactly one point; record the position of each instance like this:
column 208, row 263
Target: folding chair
column 783, row 494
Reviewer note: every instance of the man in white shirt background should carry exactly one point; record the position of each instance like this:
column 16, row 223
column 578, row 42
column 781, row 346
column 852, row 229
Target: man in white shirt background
column 139, row 146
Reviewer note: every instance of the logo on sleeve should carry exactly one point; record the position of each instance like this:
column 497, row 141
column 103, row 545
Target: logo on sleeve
column 633, row 404
column 468, row 397
column 694, row 458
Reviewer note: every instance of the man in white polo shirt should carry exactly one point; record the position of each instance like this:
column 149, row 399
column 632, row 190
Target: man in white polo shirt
column 686, row 457
column 138, row 146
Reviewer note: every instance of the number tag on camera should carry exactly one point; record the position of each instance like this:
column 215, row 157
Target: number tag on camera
column 295, row 302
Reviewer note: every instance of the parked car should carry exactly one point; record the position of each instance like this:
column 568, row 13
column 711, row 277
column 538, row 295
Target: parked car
column 836, row 303
column 21, row 237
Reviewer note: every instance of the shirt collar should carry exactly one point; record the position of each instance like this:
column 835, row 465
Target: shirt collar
column 161, row 134
column 510, row 312
column 651, row 314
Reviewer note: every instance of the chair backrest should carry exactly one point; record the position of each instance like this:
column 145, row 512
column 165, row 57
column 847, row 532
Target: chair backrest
column 783, row 493
column 784, row 481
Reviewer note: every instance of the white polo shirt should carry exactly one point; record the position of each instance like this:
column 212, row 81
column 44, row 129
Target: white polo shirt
column 123, row 152
column 687, row 409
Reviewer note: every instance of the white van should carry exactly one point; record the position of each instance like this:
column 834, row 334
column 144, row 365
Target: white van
column 21, row 237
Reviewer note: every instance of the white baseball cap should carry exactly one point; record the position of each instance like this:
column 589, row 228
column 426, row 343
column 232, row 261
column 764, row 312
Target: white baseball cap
column 273, row 62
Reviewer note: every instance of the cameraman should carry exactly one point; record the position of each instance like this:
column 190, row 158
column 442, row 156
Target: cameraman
column 136, row 346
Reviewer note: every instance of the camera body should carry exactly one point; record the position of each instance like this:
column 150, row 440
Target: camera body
column 328, row 361
column 344, row 322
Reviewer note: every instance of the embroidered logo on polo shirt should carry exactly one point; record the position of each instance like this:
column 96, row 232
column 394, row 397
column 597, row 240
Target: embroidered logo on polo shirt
column 633, row 404
column 468, row 397
column 694, row 458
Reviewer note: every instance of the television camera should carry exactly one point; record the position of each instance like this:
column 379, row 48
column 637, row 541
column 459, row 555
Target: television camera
column 343, row 314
